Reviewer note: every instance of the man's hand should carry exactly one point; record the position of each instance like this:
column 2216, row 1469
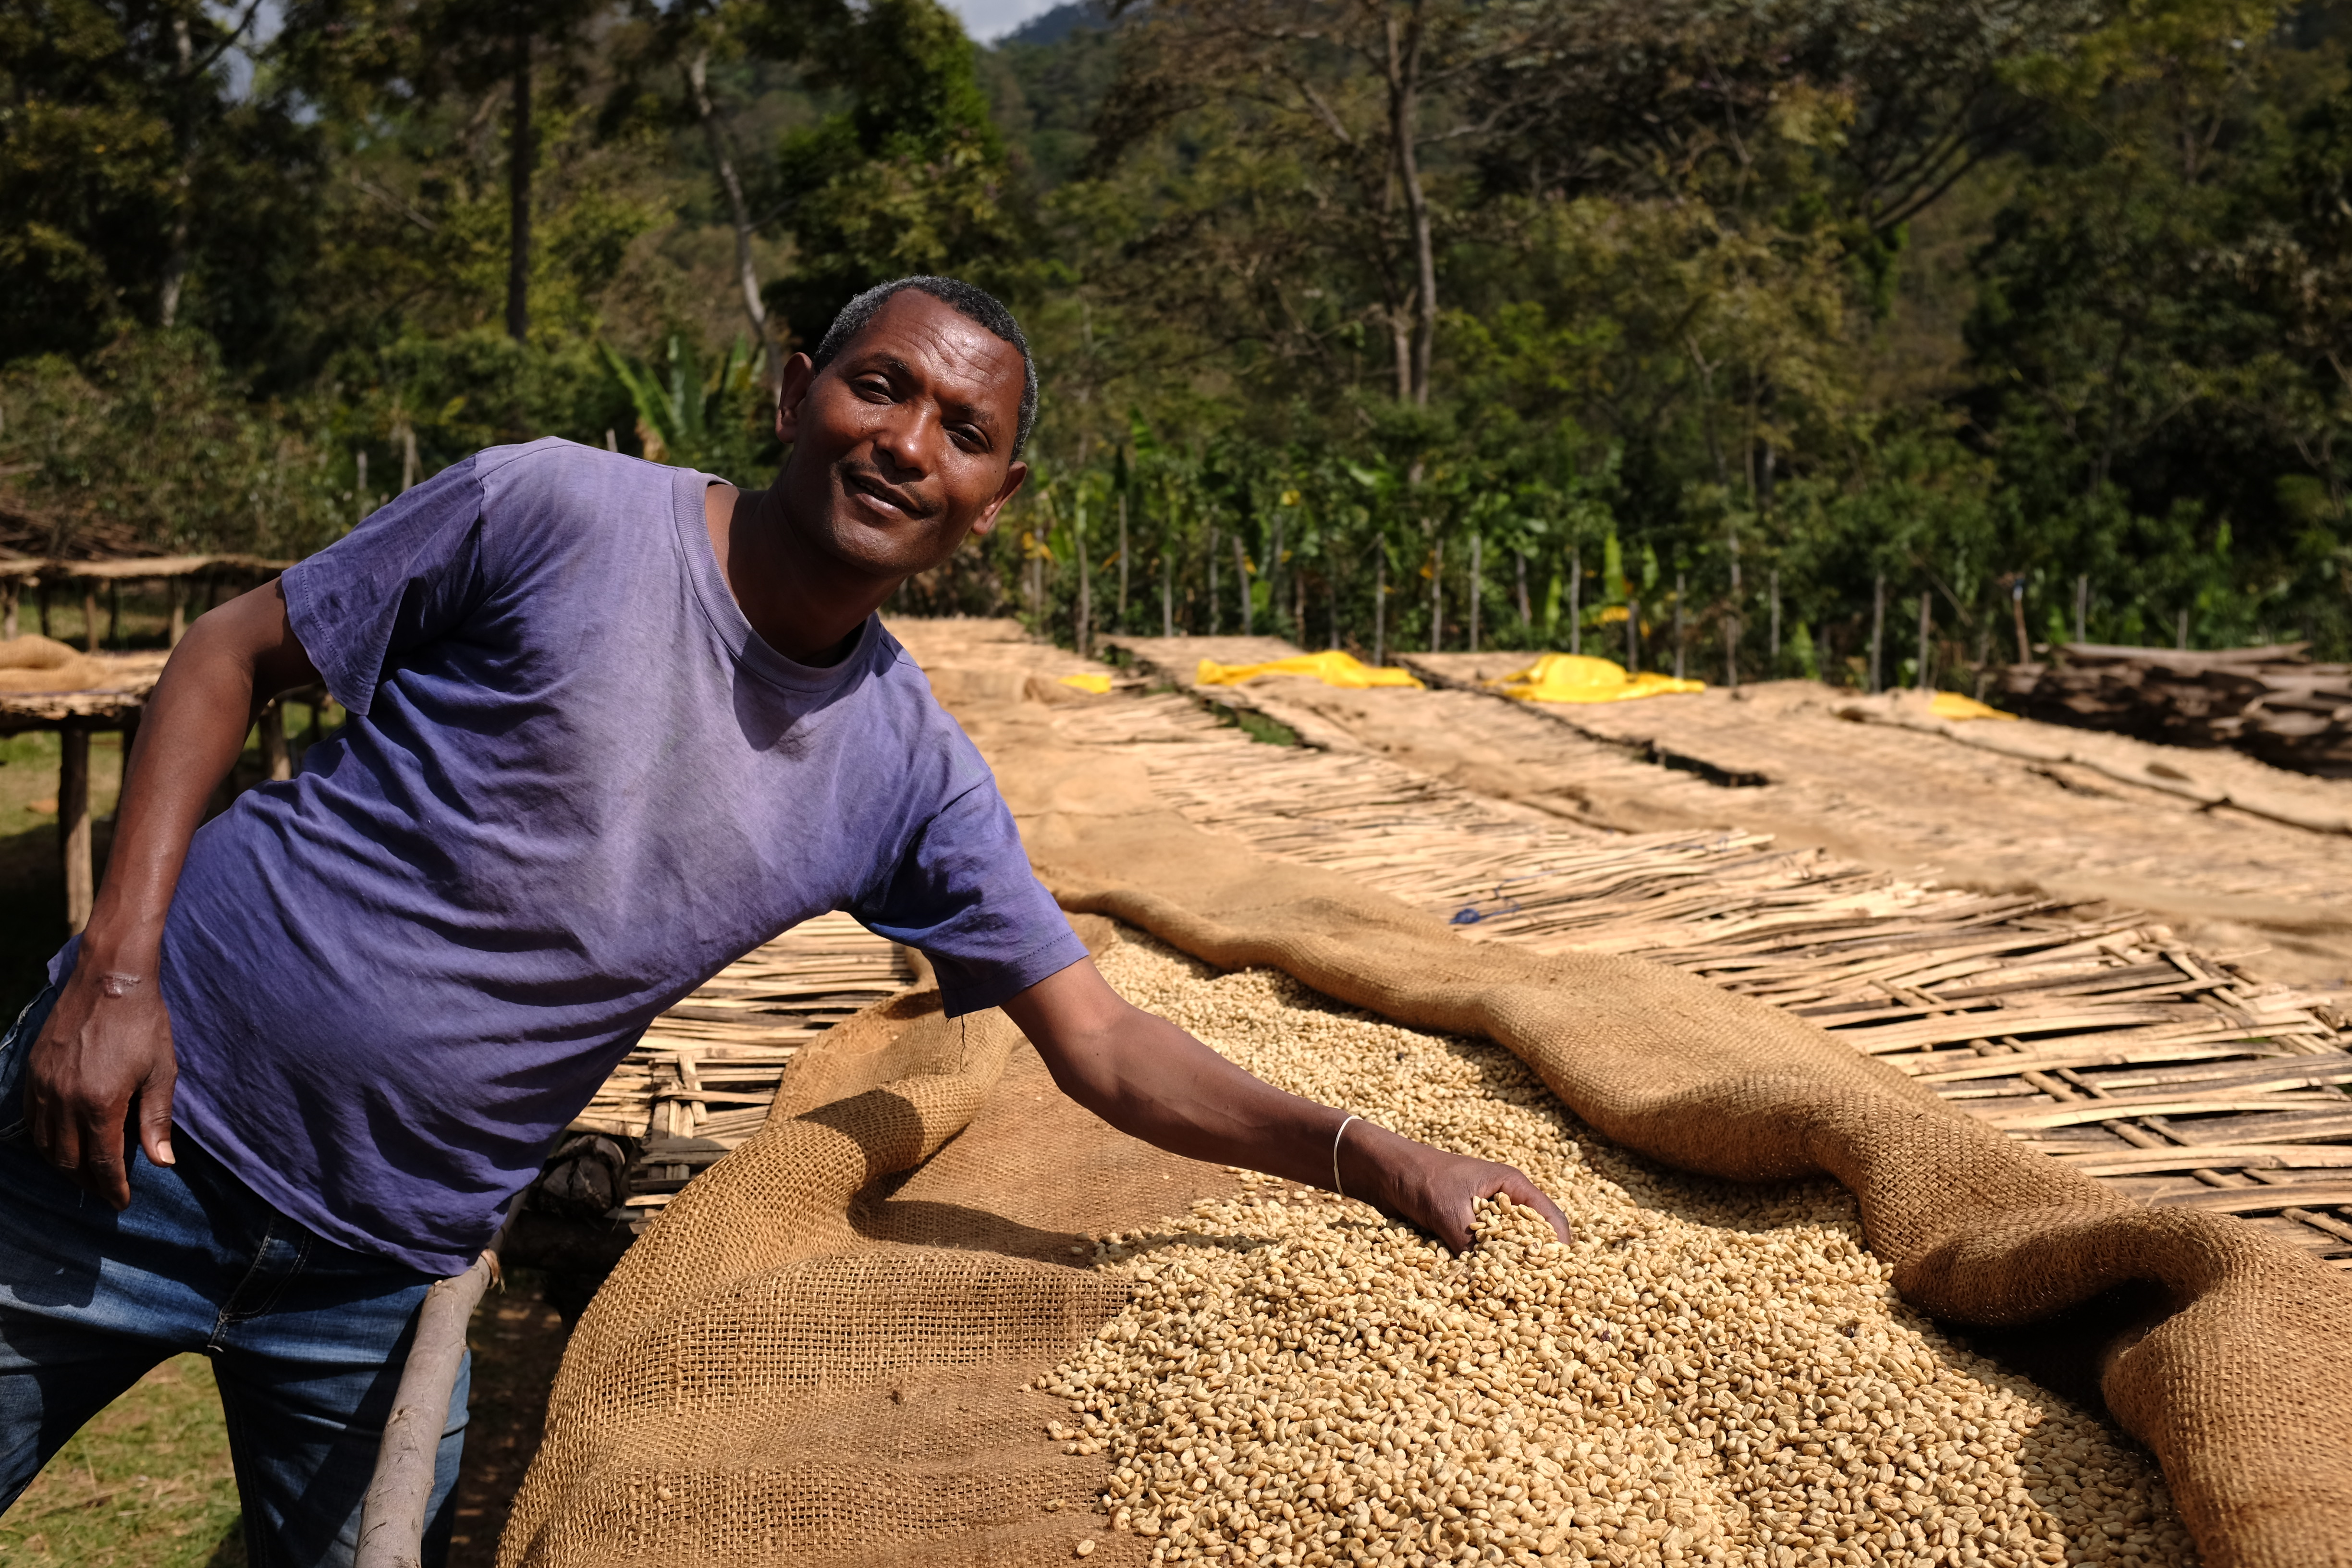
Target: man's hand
column 108, row 1042
column 107, row 1045
column 1429, row 1187
column 1149, row 1078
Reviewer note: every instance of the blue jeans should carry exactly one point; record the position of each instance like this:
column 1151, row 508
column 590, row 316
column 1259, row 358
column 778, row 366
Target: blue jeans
column 307, row 1339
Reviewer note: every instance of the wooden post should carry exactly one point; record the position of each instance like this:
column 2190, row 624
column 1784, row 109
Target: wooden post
column 41, row 603
column 2083, row 607
column 8, row 591
column 2180, row 637
column 179, row 595
column 1216, row 609
column 274, row 755
column 391, row 1518
column 1474, row 587
column 1731, row 623
column 2017, row 604
column 1086, row 583
column 1927, row 632
column 1379, row 604
column 1575, row 601
column 90, row 620
column 114, row 614
column 1681, row 642
column 73, row 823
column 1242, row 585
column 1878, row 626
column 1436, row 595
column 1167, row 596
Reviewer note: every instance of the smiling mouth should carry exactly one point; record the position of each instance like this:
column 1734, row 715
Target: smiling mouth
column 870, row 486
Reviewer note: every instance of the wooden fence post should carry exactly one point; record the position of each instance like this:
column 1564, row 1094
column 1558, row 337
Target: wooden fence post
column 275, row 757
column 73, row 823
column 1877, row 629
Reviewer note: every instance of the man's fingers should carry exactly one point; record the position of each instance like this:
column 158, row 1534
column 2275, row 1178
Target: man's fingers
column 155, row 1115
column 102, row 1171
column 1511, row 1184
column 1523, row 1191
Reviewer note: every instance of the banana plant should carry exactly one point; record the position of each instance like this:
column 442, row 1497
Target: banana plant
column 680, row 416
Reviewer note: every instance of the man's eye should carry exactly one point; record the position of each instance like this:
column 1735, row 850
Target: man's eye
column 873, row 387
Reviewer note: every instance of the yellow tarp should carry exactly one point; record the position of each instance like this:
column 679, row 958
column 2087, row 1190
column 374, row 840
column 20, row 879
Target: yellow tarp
column 1332, row 669
column 1097, row 684
column 1578, row 678
column 1952, row 705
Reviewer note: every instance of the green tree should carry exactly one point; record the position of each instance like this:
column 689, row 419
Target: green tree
column 908, row 177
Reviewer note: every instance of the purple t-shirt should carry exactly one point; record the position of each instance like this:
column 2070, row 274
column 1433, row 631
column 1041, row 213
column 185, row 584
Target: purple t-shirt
column 575, row 783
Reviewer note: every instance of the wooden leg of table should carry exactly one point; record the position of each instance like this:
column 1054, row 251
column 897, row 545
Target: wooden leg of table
column 8, row 612
column 179, row 612
column 73, row 826
column 90, row 620
column 274, row 755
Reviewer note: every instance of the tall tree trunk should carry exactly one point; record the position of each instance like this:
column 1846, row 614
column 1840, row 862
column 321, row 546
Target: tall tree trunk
column 747, row 275
column 518, row 162
column 176, row 256
column 1405, row 126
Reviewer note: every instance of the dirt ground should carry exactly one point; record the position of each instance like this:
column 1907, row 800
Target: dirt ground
column 1776, row 758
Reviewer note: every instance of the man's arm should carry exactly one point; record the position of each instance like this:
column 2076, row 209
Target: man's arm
column 108, row 1040
column 1149, row 1078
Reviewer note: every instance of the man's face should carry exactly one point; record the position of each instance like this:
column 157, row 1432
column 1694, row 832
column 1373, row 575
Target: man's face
column 903, row 445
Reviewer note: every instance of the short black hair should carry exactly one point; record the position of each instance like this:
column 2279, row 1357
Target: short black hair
column 975, row 304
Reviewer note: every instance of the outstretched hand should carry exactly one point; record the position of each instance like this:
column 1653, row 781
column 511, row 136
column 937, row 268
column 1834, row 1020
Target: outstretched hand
column 1429, row 1187
column 106, row 1047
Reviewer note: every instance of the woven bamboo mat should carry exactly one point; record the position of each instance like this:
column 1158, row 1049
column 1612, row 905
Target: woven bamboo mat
column 701, row 1079
column 2098, row 1038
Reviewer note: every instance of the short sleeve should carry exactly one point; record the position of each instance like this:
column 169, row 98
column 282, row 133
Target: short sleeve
column 409, row 573
column 964, row 896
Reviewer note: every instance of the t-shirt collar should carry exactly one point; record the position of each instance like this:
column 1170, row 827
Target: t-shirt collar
column 749, row 649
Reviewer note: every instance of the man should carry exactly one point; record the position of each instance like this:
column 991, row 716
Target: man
column 612, row 725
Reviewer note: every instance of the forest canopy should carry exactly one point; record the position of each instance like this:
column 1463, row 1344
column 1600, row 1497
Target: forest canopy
column 1722, row 333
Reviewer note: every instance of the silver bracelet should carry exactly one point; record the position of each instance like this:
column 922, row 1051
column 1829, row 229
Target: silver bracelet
column 1335, row 1154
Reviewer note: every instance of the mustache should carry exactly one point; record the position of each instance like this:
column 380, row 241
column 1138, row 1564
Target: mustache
column 867, row 476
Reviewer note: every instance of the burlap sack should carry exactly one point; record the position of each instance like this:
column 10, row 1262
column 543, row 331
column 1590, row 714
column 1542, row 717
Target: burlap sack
column 809, row 1358
column 2240, row 1385
column 37, row 664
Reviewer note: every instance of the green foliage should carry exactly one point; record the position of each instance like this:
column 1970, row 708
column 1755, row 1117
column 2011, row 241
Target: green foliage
column 1781, row 300
column 908, row 177
column 151, row 440
column 686, row 419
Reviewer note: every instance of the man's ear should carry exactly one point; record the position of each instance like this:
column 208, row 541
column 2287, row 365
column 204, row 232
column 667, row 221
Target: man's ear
column 1016, row 474
column 800, row 372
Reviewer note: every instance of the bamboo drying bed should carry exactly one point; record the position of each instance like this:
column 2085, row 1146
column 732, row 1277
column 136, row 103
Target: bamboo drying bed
column 2098, row 1038
column 700, row 1079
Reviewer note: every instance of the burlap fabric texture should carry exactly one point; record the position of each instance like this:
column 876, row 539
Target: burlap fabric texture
column 39, row 663
column 811, row 1359
column 815, row 1357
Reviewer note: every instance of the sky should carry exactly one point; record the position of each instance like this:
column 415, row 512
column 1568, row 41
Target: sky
column 989, row 20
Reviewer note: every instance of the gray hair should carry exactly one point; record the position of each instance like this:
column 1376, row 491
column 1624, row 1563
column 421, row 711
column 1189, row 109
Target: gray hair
column 974, row 304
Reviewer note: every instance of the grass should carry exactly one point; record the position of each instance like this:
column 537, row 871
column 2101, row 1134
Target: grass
column 146, row 1483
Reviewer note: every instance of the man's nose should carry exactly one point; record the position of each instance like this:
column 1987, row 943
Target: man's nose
column 906, row 445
